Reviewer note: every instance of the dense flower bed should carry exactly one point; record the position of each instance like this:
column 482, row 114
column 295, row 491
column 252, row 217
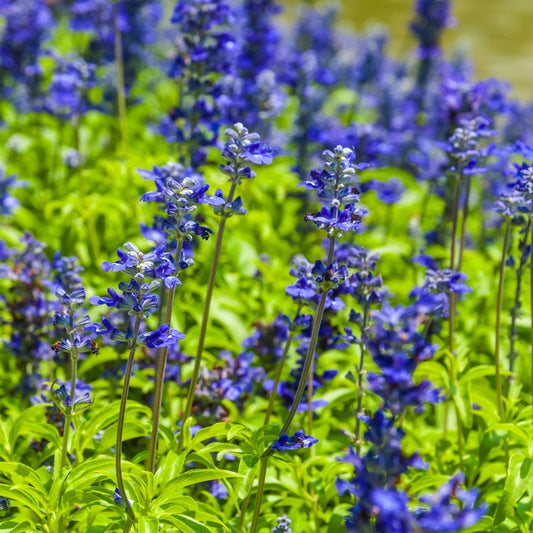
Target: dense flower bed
column 317, row 317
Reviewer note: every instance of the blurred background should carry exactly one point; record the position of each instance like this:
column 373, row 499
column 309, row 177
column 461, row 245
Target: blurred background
column 496, row 34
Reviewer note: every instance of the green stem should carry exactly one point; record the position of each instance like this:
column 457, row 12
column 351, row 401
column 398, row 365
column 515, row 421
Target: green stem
column 121, row 419
column 128, row 525
column 451, row 333
column 68, row 417
column 463, row 222
column 455, row 216
column 306, row 376
column 506, row 241
column 205, row 318
column 242, row 517
column 459, row 437
column 331, row 249
column 360, row 389
column 295, row 404
column 388, row 221
column 307, row 365
column 531, row 310
column 270, row 408
column 279, row 369
column 515, row 311
column 121, row 92
column 260, row 491
column 425, row 203
column 451, row 297
column 160, row 377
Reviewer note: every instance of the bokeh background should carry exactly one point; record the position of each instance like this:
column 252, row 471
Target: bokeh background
column 496, row 34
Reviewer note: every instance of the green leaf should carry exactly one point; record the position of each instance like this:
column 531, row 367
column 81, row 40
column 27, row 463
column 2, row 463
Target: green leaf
column 489, row 442
column 338, row 517
column 170, row 468
column 515, row 430
column 27, row 496
column 147, row 524
column 187, row 524
column 14, row 526
column 133, row 429
column 463, row 402
column 436, row 372
column 21, row 473
column 519, row 478
column 199, row 476
column 245, row 484
column 235, row 430
column 478, row 372
column 216, row 431
column 426, row 482
column 89, row 472
column 179, row 503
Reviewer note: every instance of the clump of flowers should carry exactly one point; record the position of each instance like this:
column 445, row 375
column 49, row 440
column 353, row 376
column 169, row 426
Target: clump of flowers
column 32, row 280
column 206, row 52
column 398, row 343
column 27, row 26
column 138, row 301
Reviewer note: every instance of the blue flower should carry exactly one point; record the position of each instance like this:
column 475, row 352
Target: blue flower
column 67, row 94
column 223, row 207
column 82, row 397
column 432, row 17
column 282, row 525
column 298, row 440
column 8, row 202
column 243, row 147
column 206, row 53
column 450, row 508
column 4, row 504
column 389, row 192
column 27, row 26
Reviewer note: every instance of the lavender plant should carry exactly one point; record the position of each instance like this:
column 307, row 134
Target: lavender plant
column 138, row 302
column 398, row 344
column 241, row 149
column 335, row 187
column 178, row 192
column 206, row 53
column 27, row 26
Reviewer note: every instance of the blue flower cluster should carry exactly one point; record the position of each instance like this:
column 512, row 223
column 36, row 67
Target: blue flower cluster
column 258, row 97
column 28, row 299
column 335, row 186
column 397, row 341
column 463, row 147
column 7, row 202
column 67, row 94
column 397, row 346
column 136, row 22
column 76, row 341
column 438, row 286
column 66, row 403
column 384, row 508
column 27, row 26
column 297, row 441
column 137, row 299
column 432, row 17
column 242, row 149
column 282, row 525
column 179, row 191
column 232, row 378
column 206, row 49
